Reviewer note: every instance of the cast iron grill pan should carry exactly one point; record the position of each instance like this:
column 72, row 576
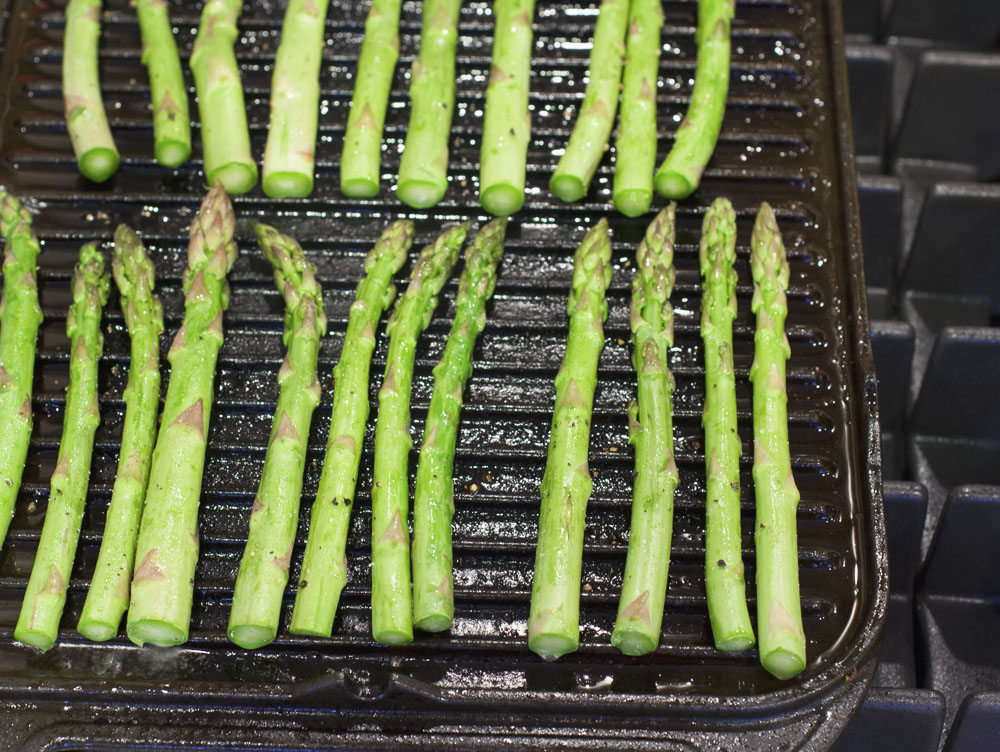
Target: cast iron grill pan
column 780, row 142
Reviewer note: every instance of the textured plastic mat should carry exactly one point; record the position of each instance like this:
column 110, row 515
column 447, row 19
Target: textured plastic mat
column 930, row 246
column 785, row 140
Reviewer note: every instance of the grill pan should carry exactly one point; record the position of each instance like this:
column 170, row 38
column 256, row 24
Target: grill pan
column 786, row 139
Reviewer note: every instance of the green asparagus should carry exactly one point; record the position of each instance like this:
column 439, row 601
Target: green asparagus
column 635, row 148
column 20, row 317
column 361, row 158
column 554, row 621
column 38, row 624
column 324, row 567
column 260, row 585
column 507, row 122
column 724, row 583
column 640, row 608
column 589, row 139
column 423, row 169
column 167, row 548
column 290, row 154
column 681, row 171
column 433, row 503
column 392, row 614
column 779, row 613
column 86, row 121
column 225, row 137
column 171, row 120
column 108, row 597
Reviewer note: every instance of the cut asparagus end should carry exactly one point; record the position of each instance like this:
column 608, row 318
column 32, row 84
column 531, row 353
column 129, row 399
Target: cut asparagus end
column 782, row 663
column 170, row 153
column 549, row 645
column 236, row 177
column 634, row 202
column 359, row 187
column 308, row 630
column 633, row 642
column 287, row 184
column 99, row 164
column 35, row 638
column 735, row 643
column 671, row 184
column 502, row 199
column 98, row 631
column 155, row 632
column 252, row 636
column 393, row 637
column 420, row 194
column 439, row 622
column 568, row 188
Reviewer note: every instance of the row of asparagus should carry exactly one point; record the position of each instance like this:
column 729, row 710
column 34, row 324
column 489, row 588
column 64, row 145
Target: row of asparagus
column 150, row 546
column 625, row 57
column 553, row 624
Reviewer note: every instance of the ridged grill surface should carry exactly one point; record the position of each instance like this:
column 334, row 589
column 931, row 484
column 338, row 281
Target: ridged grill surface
column 778, row 144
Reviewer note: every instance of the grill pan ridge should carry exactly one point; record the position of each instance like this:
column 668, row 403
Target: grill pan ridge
column 785, row 139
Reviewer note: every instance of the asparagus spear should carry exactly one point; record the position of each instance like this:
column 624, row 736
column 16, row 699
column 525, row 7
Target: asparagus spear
column 635, row 147
column 361, row 159
column 423, row 169
column 680, row 173
column 392, row 614
column 507, row 122
column 554, row 621
column 291, row 135
column 640, row 608
column 171, row 121
column 724, row 583
column 108, row 597
column 38, row 624
column 86, row 122
column 324, row 567
column 779, row 614
column 253, row 620
column 167, row 549
column 589, row 139
column 225, row 138
column 20, row 316
column 433, row 506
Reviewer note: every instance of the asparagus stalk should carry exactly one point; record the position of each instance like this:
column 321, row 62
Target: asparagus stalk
column 253, row 619
column 392, row 614
column 324, row 567
column 96, row 154
column 589, row 139
column 433, row 503
column 423, row 169
column 108, row 597
column 171, row 121
column 554, row 621
column 507, row 122
column 20, row 317
column 167, row 548
column 635, row 147
column 680, row 173
column 290, row 153
column 724, row 583
column 38, row 624
column 361, row 159
column 779, row 613
column 640, row 608
column 225, row 138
